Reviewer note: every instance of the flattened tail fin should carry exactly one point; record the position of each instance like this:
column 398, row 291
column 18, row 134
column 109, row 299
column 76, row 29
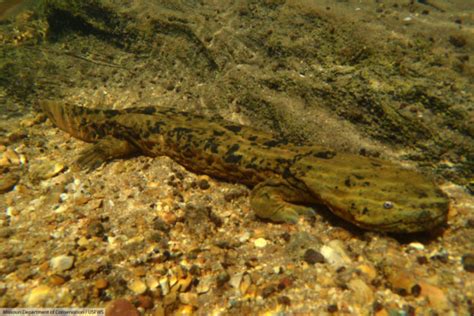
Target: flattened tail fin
column 72, row 119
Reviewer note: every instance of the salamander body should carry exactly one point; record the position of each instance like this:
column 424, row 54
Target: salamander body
column 285, row 178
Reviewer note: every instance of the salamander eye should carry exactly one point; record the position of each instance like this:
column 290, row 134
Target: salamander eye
column 387, row 205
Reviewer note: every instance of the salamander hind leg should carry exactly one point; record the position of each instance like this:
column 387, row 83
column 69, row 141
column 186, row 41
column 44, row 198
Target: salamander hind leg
column 274, row 200
column 104, row 150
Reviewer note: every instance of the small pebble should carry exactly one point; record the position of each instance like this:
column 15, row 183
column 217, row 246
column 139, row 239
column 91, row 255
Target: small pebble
column 284, row 300
column 195, row 270
column 378, row 308
column 83, row 242
column 268, row 290
column 468, row 262
column 236, row 279
column 101, row 283
column 121, row 307
column 402, row 282
column 9, row 157
column 422, row 260
column 368, row 271
column 312, row 256
column 470, row 223
column 204, row 184
column 185, row 283
column 332, row 308
column 160, row 225
column 96, row 229
column 45, row 170
column 172, row 279
column 362, row 293
column 8, row 181
column 57, row 279
column 137, row 286
column 39, row 295
column 234, row 194
column 416, row 290
column 223, row 278
column 441, row 256
column 417, row 246
column 164, row 285
column 204, row 285
column 285, row 282
column 286, row 236
column 189, row 298
column 260, row 243
column 151, row 282
column 61, row 263
column 140, row 271
column 436, row 297
column 145, row 302
column 244, row 237
column 335, row 254
column 170, row 298
column 169, row 218
column 27, row 122
column 245, row 284
column 341, row 234
column 185, row 310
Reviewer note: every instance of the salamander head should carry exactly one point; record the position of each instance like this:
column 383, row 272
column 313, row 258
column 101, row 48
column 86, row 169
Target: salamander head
column 414, row 209
column 379, row 195
column 398, row 201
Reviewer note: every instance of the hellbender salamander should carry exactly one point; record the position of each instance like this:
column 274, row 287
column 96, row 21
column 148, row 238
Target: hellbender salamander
column 285, row 178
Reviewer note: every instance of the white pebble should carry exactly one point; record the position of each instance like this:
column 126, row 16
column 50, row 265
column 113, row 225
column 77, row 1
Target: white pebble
column 244, row 237
column 417, row 246
column 137, row 286
column 260, row 243
column 63, row 196
column 165, row 285
column 335, row 254
column 61, row 263
column 236, row 279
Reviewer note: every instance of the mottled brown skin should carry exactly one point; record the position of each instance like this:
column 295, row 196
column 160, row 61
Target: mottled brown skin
column 370, row 193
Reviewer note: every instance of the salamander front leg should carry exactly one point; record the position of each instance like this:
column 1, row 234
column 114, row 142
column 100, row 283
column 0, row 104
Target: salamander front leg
column 104, row 150
column 274, row 200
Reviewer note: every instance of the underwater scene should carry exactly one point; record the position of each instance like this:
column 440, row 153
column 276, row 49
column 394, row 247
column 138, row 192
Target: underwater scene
column 226, row 157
